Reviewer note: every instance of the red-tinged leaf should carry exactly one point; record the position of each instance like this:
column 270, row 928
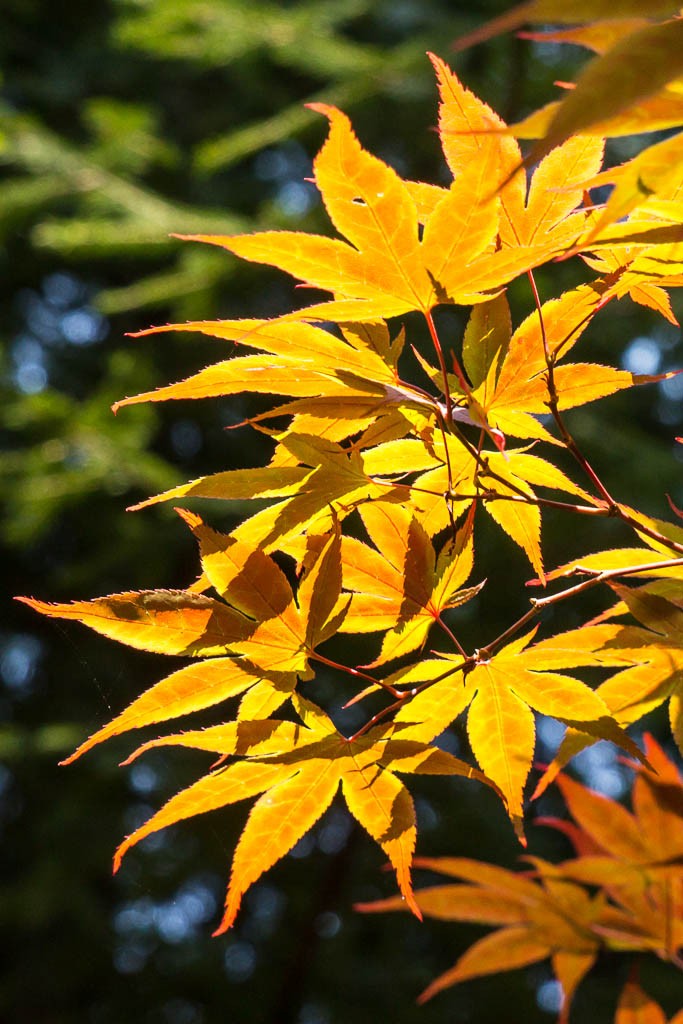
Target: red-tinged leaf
column 604, row 871
column 189, row 689
column 506, row 883
column 545, row 11
column 502, row 951
column 658, row 808
column 551, row 918
column 276, row 822
column 164, row 621
column 635, row 1007
column 606, row 821
column 665, row 768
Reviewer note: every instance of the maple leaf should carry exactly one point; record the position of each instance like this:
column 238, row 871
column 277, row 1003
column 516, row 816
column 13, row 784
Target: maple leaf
column 258, row 620
column 633, row 860
column 298, row 769
column 549, row 918
column 631, row 849
column 501, row 692
column 163, row 621
column 537, row 221
column 315, row 474
column 384, row 269
column 509, row 372
column 623, row 271
column 637, row 858
column 654, row 656
column 301, row 359
column 636, row 1007
column 403, row 587
column 503, row 483
column 348, row 382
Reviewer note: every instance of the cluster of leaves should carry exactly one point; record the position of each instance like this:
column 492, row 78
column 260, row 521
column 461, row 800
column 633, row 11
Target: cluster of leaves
column 373, row 500
column 621, row 892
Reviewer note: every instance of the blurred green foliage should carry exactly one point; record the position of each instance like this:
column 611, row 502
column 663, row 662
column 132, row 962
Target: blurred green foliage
column 122, row 121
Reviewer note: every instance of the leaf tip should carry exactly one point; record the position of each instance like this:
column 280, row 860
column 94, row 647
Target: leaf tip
column 191, row 518
column 326, row 109
column 228, row 919
column 70, row 759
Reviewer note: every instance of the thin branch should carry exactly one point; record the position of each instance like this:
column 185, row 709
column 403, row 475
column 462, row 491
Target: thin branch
column 355, row 672
column 442, row 366
column 451, row 635
column 407, row 695
column 601, row 576
column 553, row 405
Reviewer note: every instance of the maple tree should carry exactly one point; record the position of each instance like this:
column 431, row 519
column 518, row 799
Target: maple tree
column 374, row 495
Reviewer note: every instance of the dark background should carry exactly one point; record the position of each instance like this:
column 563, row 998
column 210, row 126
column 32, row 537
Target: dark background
column 122, row 122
